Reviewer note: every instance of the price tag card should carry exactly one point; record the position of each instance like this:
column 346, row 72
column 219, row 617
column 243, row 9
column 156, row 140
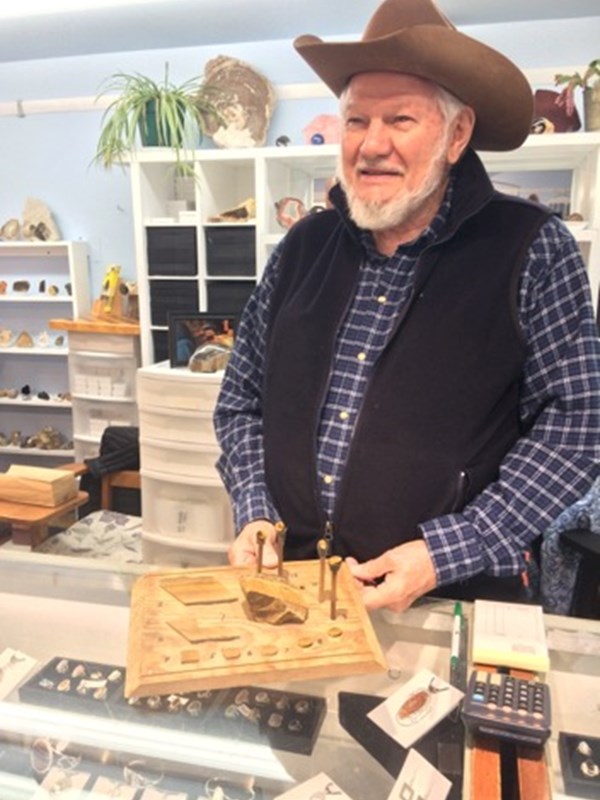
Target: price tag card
column 419, row 780
column 413, row 710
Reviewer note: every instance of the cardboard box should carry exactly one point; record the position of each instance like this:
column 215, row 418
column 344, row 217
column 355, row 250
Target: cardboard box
column 37, row 486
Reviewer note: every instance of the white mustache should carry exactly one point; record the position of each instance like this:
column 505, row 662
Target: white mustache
column 379, row 167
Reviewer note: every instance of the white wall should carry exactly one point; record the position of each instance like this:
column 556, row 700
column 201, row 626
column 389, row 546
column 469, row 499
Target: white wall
column 49, row 155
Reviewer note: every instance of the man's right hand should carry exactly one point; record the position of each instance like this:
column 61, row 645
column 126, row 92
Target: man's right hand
column 244, row 549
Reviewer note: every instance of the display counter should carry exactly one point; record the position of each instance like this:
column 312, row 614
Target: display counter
column 79, row 610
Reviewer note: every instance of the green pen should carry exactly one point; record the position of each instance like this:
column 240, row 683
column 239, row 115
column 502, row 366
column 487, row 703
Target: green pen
column 456, row 636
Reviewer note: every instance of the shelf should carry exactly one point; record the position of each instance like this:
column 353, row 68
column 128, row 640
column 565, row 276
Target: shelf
column 102, row 398
column 175, row 278
column 226, row 278
column 167, row 222
column 551, row 152
column 35, row 451
column 25, row 298
column 56, row 249
column 231, row 224
column 34, row 351
column 101, row 355
column 35, row 402
column 94, row 326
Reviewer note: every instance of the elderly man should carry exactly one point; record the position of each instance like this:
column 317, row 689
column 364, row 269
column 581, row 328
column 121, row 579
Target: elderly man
column 416, row 376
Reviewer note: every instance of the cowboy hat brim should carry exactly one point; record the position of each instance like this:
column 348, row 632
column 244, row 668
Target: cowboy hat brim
column 477, row 74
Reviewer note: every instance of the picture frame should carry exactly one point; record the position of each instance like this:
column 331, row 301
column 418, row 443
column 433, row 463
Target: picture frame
column 190, row 330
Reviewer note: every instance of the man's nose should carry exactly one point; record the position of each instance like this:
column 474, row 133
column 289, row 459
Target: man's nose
column 377, row 140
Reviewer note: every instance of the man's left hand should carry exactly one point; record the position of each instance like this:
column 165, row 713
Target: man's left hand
column 406, row 572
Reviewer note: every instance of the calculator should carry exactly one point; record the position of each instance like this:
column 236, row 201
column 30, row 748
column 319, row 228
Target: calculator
column 501, row 705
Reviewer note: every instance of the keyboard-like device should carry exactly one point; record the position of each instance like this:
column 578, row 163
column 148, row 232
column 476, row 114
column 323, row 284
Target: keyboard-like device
column 506, row 707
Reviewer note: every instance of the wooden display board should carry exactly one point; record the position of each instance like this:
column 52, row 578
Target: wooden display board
column 191, row 629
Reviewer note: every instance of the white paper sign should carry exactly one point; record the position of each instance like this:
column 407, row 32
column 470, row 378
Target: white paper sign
column 419, row 780
column 413, row 710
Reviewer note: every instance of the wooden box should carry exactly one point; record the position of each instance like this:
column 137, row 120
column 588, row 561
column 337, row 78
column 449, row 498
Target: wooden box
column 37, row 486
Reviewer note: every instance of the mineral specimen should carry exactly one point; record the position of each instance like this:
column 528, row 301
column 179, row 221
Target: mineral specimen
column 272, row 600
column 244, row 100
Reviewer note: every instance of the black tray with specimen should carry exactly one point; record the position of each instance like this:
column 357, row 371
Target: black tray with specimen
column 580, row 764
column 284, row 720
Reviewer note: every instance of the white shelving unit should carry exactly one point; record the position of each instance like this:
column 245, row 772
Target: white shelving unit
column 58, row 277
column 225, row 178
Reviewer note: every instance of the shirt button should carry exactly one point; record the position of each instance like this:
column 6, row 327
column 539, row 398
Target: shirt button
column 362, row 356
column 328, row 479
column 344, row 415
column 382, row 299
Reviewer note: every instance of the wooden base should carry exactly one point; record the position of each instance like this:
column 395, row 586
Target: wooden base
column 182, row 639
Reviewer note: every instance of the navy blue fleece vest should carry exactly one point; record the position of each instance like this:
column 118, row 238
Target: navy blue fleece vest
column 441, row 408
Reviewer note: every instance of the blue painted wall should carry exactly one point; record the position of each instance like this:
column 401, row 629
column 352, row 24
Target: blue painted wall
column 49, row 155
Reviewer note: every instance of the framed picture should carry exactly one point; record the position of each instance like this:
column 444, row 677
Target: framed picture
column 190, row 330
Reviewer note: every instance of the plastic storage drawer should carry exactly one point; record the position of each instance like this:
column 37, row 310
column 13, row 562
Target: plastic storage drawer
column 179, row 459
column 178, row 389
column 187, row 427
column 190, row 511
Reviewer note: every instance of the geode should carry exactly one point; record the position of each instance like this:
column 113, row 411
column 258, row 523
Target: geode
column 244, row 99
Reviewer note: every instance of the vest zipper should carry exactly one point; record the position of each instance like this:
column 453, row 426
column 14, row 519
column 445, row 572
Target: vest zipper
column 462, row 487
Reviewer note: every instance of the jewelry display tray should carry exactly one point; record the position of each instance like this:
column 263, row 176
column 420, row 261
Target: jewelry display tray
column 283, row 720
column 576, row 782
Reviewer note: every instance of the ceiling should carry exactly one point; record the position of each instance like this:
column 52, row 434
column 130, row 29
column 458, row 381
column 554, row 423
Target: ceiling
column 192, row 23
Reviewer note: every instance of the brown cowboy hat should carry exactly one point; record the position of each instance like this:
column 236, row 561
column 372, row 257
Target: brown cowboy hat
column 414, row 37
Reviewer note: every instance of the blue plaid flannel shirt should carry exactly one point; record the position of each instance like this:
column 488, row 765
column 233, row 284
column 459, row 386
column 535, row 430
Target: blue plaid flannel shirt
column 544, row 472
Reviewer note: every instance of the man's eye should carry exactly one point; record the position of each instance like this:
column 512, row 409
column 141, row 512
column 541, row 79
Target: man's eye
column 354, row 122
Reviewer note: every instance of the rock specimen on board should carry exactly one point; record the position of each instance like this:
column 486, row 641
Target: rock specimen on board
column 38, row 222
column 273, row 601
column 244, row 99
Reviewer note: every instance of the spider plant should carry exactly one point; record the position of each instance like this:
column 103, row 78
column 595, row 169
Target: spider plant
column 162, row 114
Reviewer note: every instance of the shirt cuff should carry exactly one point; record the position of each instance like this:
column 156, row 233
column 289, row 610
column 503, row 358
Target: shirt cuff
column 455, row 548
column 253, row 504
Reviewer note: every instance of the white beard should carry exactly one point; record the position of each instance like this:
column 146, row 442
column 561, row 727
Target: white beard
column 381, row 215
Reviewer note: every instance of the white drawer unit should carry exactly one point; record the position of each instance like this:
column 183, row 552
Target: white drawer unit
column 103, row 362
column 186, row 513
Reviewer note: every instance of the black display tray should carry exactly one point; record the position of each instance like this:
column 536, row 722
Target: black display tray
column 283, row 720
column 580, row 764
column 85, row 686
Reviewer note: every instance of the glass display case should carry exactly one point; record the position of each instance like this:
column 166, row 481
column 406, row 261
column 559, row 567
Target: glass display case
column 71, row 615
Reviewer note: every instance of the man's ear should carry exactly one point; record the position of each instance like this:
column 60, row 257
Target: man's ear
column 462, row 130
